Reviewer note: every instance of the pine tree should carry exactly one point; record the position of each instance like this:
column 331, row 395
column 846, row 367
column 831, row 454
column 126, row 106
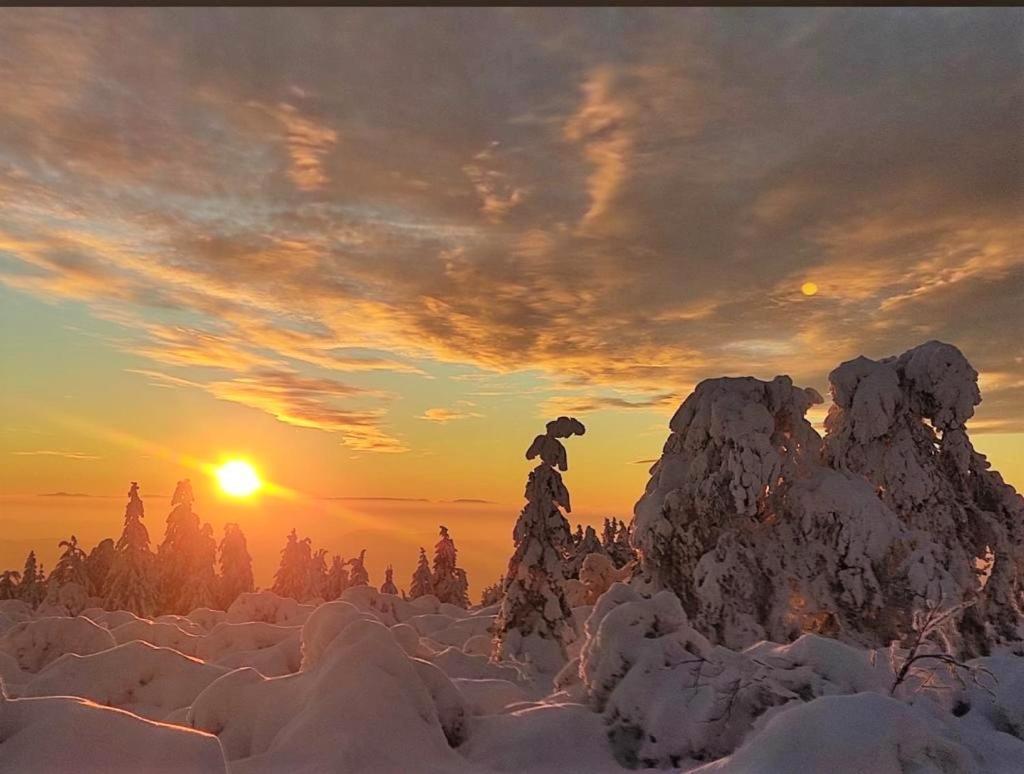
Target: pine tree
column 97, row 567
column 388, row 586
column 358, row 576
column 9, row 584
column 235, row 565
column 292, row 576
column 337, row 578
column 449, row 581
column 187, row 557
column 422, row 580
column 31, row 589
column 132, row 580
column 533, row 621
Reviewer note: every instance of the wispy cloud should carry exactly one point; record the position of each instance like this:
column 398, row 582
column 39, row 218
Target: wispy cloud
column 51, row 453
column 445, row 415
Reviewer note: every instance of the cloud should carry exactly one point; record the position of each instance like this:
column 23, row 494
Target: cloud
column 587, row 404
column 445, row 415
column 49, row 453
column 658, row 192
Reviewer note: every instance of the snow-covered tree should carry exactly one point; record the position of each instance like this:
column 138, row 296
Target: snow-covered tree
column 388, row 586
column 235, row 565
column 292, row 576
column 132, row 580
column 589, row 543
column 187, row 557
column 70, row 567
column 337, row 578
column 449, row 581
column 9, row 584
column 901, row 423
column 358, row 576
column 422, row 579
column 491, row 595
column 32, row 588
column 316, row 584
column 533, row 621
column 764, row 532
column 97, row 566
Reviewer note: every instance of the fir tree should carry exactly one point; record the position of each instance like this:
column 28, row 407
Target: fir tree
column 97, row 567
column 449, row 582
column 292, row 576
column 358, row 576
column 337, row 578
column 388, row 586
column 132, row 580
column 187, row 557
column 533, row 621
column 31, row 589
column 422, row 580
column 235, row 565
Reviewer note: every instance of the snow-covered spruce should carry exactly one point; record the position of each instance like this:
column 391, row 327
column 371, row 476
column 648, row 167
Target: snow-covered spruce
column 765, row 532
column 449, row 581
column 132, row 578
column 388, row 586
column 186, row 558
column 533, row 623
column 235, row 566
column 901, row 423
column 422, row 579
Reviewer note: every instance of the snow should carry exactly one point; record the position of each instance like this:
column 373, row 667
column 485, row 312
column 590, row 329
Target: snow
column 65, row 734
column 780, row 579
column 138, row 677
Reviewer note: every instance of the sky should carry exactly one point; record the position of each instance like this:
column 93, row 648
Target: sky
column 374, row 250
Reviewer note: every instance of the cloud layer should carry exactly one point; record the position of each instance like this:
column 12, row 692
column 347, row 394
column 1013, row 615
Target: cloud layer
column 625, row 200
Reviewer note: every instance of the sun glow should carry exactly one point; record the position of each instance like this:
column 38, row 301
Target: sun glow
column 238, row 478
column 809, row 288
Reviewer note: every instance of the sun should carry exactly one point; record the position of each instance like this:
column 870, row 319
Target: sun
column 809, row 288
column 238, row 478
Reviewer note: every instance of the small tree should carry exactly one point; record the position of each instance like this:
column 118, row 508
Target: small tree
column 337, row 578
column 450, row 583
column 132, row 580
column 32, row 589
column 388, row 586
column 492, row 594
column 187, row 557
column 358, row 576
column 588, row 544
column 292, row 576
column 422, row 580
column 235, row 565
column 316, row 584
column 70, row 567
column 533, row 621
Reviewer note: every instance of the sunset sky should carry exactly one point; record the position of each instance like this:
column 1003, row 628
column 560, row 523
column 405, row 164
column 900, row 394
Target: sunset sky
column 372, row 251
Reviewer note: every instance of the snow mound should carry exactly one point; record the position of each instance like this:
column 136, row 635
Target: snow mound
column 849, row 735
column 138, row 677
column 229, row 638
column 110, row 619
column 162, row 634
column 34, row 644
column 267, row 607
column 355, row 680
column 65, row 735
